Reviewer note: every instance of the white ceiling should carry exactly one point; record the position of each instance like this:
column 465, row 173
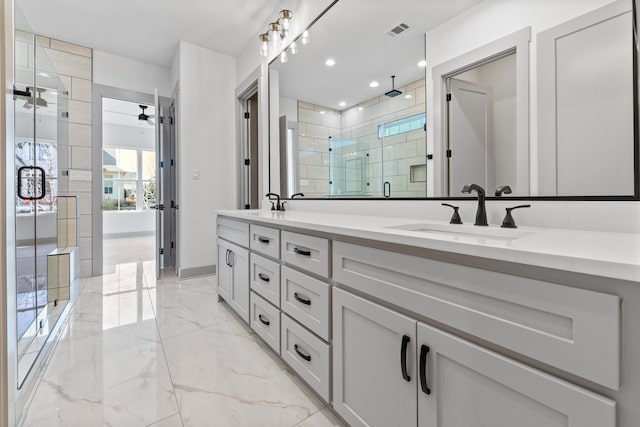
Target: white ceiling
column 353, row 32
column 149, row 30
column 124, row 113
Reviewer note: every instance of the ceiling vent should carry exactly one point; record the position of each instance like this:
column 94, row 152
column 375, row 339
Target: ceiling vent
column 398, row 29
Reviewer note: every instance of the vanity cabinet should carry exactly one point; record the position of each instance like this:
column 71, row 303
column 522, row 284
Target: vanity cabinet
column 373, row 349
column 390, row 369
column 233, row 277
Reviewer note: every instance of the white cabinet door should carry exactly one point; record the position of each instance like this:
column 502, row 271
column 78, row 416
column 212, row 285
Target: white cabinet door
column 239, row 260
column 224, row 272
column 370, row 346
column 472, row 386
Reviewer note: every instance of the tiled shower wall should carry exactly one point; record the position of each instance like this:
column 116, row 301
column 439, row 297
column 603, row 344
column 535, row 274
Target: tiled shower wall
column 388, row 160
column 315, row 125
column 74, row 65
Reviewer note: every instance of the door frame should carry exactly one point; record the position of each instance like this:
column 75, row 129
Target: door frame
column 518, row 43
column 99, row 92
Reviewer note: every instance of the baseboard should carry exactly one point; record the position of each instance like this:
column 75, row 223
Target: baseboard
column 132, row 234
column 207, row 270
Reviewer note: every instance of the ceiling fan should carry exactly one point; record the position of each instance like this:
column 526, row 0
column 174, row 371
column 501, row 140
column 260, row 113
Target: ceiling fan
column 39, row 101
column 145, row 117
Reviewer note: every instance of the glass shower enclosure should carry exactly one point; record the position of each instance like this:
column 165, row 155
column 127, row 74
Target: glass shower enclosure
column 41, row 153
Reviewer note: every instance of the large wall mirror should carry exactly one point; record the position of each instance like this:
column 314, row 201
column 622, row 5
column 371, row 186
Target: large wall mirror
column 414, row 99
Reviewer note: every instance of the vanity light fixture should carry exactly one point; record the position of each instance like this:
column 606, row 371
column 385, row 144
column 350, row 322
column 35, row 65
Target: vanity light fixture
column 374, row 84
column 277, row 31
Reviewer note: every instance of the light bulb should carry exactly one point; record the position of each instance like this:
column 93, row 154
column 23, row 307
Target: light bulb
column 305, row 37
column 284, row 57
column 293, row 48
column 285, row 20
column 264, row 44
column 274, row 34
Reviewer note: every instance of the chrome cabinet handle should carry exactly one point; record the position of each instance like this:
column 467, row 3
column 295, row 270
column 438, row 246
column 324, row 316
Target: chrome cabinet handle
column 263, row 240
column 263, row 277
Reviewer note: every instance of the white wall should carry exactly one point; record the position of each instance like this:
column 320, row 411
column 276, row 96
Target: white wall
column 126, row 73
column 118, row 136
column 206, row 145
column 129, row 222
column 469, row 31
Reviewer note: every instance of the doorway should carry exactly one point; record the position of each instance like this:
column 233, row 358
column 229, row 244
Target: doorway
column 133, row 134
column 129, row 182
column 248, row 147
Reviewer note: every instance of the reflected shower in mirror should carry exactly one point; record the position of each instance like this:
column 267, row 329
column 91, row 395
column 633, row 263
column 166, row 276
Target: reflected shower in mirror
column 535, row 95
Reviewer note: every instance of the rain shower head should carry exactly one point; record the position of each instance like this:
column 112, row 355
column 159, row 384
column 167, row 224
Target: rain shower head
column 393, row 92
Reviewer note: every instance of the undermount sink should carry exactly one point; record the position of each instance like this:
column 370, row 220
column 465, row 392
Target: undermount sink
column 490, row 232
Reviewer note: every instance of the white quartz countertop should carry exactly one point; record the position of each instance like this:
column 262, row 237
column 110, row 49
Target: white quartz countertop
column 615, row 255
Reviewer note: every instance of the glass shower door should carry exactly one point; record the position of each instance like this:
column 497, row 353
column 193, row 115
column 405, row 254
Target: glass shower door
column 40, row 100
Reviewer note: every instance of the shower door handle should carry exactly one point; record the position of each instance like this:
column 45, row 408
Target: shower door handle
column 387, row 190
column 37, row 192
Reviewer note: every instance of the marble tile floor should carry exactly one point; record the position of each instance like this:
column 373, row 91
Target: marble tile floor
column 144, row 352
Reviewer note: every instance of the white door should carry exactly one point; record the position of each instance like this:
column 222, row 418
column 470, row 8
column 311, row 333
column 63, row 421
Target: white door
column 472, row 386
column 469, row 119
column 239, row 261
column 374, row 366
column 159, row 187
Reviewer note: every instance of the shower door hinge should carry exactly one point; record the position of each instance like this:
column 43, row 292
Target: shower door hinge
column 448, row 153
column 448, row 97
column 172, row 246
column 247, row 162
column 247, row 115
column 161, row 119
column 17, row 93
column 171, row 120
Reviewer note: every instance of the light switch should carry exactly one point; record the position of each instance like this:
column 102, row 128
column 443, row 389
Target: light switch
column 196, row 174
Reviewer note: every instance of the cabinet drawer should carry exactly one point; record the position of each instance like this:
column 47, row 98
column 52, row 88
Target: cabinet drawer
column 265, row 320
column 307, row 300
column 306, row 252
column 234, row 231
column 307, row 354
column 265, row 278
column 573, row 329
column 265, row 240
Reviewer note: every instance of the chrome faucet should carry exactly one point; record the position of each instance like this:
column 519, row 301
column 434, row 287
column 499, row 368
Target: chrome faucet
column 279, row 206
column 481, row 213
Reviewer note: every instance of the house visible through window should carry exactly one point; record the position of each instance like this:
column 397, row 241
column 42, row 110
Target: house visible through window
column 128, row 177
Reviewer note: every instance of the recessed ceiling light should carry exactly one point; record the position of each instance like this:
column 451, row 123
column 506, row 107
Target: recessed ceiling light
column 374, row 84
column 407, row 96
column 330, row 62
column 321, row 112
column 342, row 104
column 422, row 63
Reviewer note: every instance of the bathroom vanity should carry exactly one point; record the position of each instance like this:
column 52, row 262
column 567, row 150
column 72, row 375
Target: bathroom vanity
column 406, row 322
